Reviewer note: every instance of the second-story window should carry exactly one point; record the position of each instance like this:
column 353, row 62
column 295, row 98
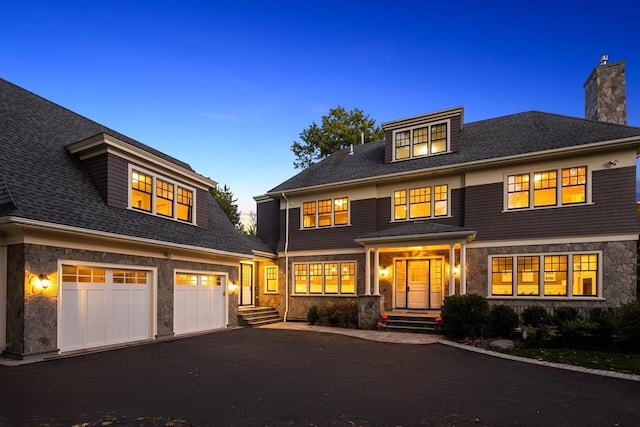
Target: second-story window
column 421, row 202
column 545, row 190
column 325, row 213
column 421, row 141
column 160, row 196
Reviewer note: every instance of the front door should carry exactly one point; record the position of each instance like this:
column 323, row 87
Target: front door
column 418, row 283
column 246, row 284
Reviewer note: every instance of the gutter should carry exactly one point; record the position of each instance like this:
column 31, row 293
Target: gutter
column 286, row 261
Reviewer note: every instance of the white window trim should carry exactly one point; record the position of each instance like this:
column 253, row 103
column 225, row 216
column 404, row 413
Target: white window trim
column 559, row 204
column 541, row 296
column 419, row 126
column 433, row 205
column 323, row 293
column 266, row 279
column 317, row 227
column 176, row 184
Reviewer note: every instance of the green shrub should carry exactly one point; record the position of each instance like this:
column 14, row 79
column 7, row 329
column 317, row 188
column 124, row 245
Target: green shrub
column 503, row 319
column 312, row 315
column 535, row 316
column 465, row 315
column 564, row 315
column 343, row 314
column 581, row 334
column 603, row 318
column 627, row 324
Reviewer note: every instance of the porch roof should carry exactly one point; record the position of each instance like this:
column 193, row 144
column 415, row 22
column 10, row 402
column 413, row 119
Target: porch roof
column 418, row 231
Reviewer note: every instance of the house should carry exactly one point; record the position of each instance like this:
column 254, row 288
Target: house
column 104, row 240
column 527, row 209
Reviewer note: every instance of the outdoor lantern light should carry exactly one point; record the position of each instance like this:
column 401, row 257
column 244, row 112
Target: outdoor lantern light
column 43, row 281
column 232, row 287
column 383, row 271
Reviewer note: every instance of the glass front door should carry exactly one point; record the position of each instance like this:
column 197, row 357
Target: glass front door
column 418, row 283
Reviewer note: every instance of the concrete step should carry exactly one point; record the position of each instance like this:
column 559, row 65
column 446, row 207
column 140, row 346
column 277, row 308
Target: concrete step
column 256, row 316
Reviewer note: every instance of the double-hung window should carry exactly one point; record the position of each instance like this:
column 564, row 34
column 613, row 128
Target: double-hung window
column 160, row 196
column 546, row 188
column 421, row 202
column 325, row 278
column 421, row 141
column 325, row 213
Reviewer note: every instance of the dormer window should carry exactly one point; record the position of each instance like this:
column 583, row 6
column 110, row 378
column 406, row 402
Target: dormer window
column 424, row 140
column 160, row 196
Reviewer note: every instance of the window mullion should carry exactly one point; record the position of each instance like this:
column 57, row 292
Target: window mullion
column 514, row 276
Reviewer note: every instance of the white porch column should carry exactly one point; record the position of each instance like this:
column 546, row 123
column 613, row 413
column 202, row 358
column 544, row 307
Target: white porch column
column 463, row 269
column 452, row 269
column 367, row 274
column 376, row 273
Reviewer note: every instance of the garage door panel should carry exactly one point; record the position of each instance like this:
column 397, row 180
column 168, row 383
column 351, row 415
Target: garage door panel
column 198, row 307
column 71, row 318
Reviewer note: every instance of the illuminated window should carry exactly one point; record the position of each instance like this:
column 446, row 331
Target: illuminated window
column 325, row 213
column 440, row 197
column 564, row 275
column 309, row 214
column 546, row 190
column 201, row 280
column 555, row 275
column 160, row 196
column 574, row 185
column 141, row 185
column 422, row 202
column 164, row 198
column 400, row 204
column 271, row 279
column 185, row 204
column 421, row 141
column 518, row 191
column 330, row 278
column 130, row 277
column 528, row 275
column 585, row 275
column 502, row 275
column 96, row 275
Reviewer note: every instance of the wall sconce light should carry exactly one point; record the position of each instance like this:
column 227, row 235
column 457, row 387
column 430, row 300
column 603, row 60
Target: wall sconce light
column 232, row 287
column 384, row 272
column 456, row 270
column 614, row 162
column 41, row 282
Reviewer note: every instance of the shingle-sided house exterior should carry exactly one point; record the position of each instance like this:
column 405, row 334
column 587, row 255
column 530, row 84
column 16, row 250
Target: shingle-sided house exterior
column 104, row 240
column 526, row 209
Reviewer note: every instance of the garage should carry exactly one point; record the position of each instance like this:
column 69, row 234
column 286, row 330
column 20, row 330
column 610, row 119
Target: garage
column 198, row 302
column 103, row 306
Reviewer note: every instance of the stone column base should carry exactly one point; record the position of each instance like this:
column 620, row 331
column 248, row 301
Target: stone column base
column 368, row 311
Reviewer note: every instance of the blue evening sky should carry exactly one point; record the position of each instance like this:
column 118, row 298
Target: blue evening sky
column 227, row 86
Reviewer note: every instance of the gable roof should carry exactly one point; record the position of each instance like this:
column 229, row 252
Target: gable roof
column 499, row 138
column 43, row 182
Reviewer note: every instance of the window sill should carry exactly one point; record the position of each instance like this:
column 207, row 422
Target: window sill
column 326, row 295
column 168, row 218
column 425, row 218
column 328, row 227
column 543, row 208
column 544, row 298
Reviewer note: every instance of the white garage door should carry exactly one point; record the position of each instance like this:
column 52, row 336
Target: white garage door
column 198, row 302
column 101, row 306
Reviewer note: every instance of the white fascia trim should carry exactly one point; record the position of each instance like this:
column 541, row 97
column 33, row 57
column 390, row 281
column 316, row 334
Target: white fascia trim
column 29, row 223
column 322, row 252
column 460, row 167
column 553, row 241
column 92, row 146
column 424, row 238
column 261, row 254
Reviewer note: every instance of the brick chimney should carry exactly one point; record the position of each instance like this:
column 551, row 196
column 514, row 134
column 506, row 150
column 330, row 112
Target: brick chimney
column 605, row 97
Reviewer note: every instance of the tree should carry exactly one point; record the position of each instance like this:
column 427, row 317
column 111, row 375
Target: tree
column 339, row 129
column 251, row 228
column 229, row 204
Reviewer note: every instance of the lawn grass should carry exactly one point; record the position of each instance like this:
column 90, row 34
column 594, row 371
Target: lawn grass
column 607, row 361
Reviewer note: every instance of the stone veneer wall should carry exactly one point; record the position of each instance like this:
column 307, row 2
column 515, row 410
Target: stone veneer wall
column 32, row 317
column 368, row 311
column 618, row 275
column 605, row 94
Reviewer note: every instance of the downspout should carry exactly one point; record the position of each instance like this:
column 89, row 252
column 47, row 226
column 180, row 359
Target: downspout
column 286, row 260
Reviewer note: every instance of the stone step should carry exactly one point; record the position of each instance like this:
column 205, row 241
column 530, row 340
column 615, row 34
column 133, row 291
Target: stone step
column 256, row 316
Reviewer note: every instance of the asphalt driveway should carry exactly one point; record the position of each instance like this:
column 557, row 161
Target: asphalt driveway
column 270, row 377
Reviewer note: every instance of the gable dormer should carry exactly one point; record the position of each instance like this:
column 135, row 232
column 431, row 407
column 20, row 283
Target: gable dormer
column 421, row 136
column 129, row 177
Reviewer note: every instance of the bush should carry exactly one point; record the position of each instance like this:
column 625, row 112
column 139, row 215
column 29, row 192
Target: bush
column 603, row 319
column 465, row 315
column 564, row 315
column 502, row 321
column 627, row 324
column 312, row 315
column 343, row 314
column 535, row 316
